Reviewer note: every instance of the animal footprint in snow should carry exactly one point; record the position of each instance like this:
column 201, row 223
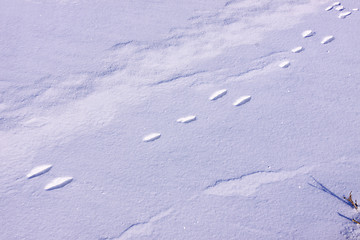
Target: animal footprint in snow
column 242, row 100
column 284, row 64
column 344, row 15
column 327, row 39
column 297, row 49
column 329, row 8
column 355, row 9
column 339, row 8
column 151, row 137
column 336, row 4
column 307, row 33
column 39, row 170
column 186, row 119
column 218, row 94
column 58, row 183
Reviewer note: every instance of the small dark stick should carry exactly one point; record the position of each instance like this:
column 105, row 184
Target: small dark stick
column 351, row 201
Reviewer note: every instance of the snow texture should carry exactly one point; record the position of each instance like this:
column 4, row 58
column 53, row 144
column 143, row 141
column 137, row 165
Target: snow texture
column 124, row 112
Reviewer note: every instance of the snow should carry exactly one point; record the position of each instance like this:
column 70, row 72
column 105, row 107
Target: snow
column 344, row 14
column 297, row 49
column 242, row 100
column 151, row 137
column 187, row 119
column 218, row 94
column 58, row 183
column 308, row 33
column 39, row 170
column 327, row 39
column 117, row 119
column 284, row 64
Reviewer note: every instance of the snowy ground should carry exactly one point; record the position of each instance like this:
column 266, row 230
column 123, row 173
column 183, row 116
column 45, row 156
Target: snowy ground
column 179, row 119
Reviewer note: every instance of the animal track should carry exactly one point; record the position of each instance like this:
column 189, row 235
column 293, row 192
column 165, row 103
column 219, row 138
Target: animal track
column 329, row 8
column 218, row 94
column 186, row 119
column 336, row 4
column 328, row 39
column 308, row 33
column 39, row 170
column 344, row 15
column 297, row 49
column 284, row 64
column 339, row 8
column 151, row 137
column 249, row 184
column 242, row 100
column 58, row 183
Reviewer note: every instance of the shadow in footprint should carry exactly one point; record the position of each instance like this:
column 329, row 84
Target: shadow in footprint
column 326, row 190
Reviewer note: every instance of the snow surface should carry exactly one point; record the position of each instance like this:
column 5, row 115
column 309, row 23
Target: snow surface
column 83, row 83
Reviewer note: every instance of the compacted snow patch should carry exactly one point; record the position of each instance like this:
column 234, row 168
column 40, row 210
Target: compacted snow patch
column 186, row 119
column 39, row 170
column 218, row 94
column 297, row 49
column 151, row 137
column 284, row 64
column 242, row 100
column 307, row 33
column 329, row 8
column 344, row 15
column 58, row 183
column 327, row 39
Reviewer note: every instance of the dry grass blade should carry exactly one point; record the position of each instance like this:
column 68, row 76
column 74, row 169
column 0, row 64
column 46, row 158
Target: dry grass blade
column 351, row 201
column 355, row 221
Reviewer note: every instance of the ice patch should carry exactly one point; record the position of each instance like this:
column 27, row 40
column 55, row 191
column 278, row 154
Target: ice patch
column 39, row 170
column 297, row 49
column 329, row 8
column 151, row 137
column 218, row 94
column 58, row 183
column 249, row 184
column 307, row 33
column 242, row 100
column 284, row 64
column 186, row 119
column 344, row 15
column 327, row 39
